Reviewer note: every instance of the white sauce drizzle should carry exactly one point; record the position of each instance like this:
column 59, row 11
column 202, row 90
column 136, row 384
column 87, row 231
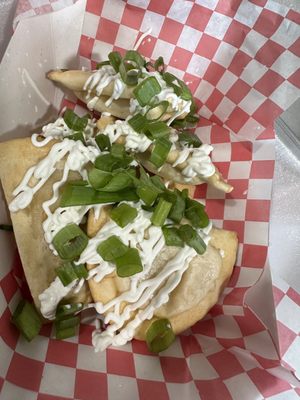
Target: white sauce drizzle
column 199, row 163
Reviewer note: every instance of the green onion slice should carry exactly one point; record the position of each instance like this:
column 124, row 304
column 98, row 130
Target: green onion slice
column 82, row 195
column 161, row 212
column 77, row 136
column 129, row 263
column 159, row 335
column 156, row 111
column 189, row 139
column 66, row 323
column 103, row 142
column 74, row 122
column 135, row 57
column 66, row 273
column 65, row 310
column 159, row 65
column 145, row 90
column 138, row 122
column 98, row 179
column 195, row 212
column 115, row 60
column 27, row 320
column 158, row 129
column 158, row 182
column 117, row 150
column 70, row 241
column 123, row 214
column 129, row 73
column 80, row 271
column 160, row 152
column 147, row 193
column 172, row 237
column 102, row 63
column 180, row 88
column 119, row 181
column 192, row 239
column 65, row 333
column 112, row 248
column 178, row 208
column 107, row 162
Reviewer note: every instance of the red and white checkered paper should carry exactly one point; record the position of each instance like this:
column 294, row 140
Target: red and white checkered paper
column 240, row 59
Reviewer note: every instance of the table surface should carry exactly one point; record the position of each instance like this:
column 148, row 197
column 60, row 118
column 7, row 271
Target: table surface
column 284, row 248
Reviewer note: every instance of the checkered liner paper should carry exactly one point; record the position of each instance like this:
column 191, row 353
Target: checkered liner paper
column 240, row 60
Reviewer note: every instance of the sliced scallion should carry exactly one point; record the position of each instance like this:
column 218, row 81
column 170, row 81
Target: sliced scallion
column 158, row 129
column 158, row 182
column 147, row 193
column 77, row 136
column 195, row 212
column 156, row 111
column 107, row 162
column 66, row 273
column 138, row 122
column 159, row 65
column 117, row 150
column 192, row 239
column 115, row 60
column 135, row 57
column 111, row 248
column 67, row 322
column 98, row 179
column 65, row 310
column 102, row 63
column 129, row 263
column 189, row 139
column 82, row 195
column 178, row 207
column 27, row 320
column 118, row 182
column 123, row 214
column 70, row 241
column 80, row 271
column 172, row 237
column 129, row 73
column 145, row 90
column 160, row 152
column 62, row 334
column 74, row 122
column 159, row 335
column 161, row 212
column 103, row 142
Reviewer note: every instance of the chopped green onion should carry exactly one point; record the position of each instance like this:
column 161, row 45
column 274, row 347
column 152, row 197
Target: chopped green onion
column 66, row 323
column 134, row 56
column 66, row 273
column 102, row 63
column 160, row 152
column 189, row 139
column 77, row 136
column 158, row 129
column 107, row 162
column 82, row 195
column 159, row 65
column 65, row 310
column 192, row 239
column 129, row 73
column 27, row 320
column 195, row 212
column 74, row 122
column 147, row 193
column 172, row 237
column 138, row 122
column 148, row 208
column 98, row 179
column 159, row 335
column 129, row 263
column 80, row 271
column 123, row 214
column 169, row 196
column 117, row 150
column 70, row 241
column 156, row 111
column 145, row 90
column 111, row 248
column 115, row 60
column 120, row 181
column 177, row 210
column 158, row 182
column 190, row 121
column 103, row 142
column 65, row 328
column 5, row 227
column 65, row 333
column 180, row 88
column 161, row 212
